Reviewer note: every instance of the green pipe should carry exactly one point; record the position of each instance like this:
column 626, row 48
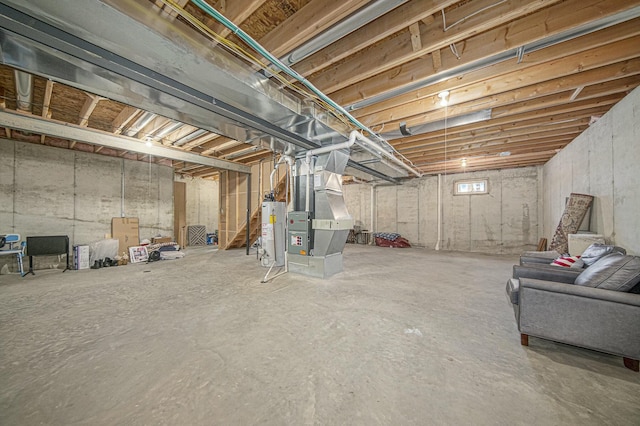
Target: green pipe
column 284, row 68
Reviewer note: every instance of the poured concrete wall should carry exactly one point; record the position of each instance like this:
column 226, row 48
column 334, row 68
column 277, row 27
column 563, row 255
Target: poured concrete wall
column 52, row 191
column 503, row 221
column 604, row 161
column 202, row 202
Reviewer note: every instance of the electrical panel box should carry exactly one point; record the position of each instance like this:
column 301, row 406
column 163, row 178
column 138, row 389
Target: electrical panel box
column 299, row 236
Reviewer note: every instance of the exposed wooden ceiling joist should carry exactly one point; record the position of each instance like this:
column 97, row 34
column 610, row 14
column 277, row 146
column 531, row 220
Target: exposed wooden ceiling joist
column 87, row 109
column 496, row 126
column 383, row 27
column 498, row 138
column 310, row 20
column 236, row 11
column 70, row 132
column 538, row 99
column 199, row 142
column 551, row 64
column 397, row 50
column 556, row 19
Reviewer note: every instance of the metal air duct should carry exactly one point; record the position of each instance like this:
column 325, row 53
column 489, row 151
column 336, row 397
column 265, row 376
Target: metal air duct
column 144, row 119
column 188, row 138
column 207, row 88
column 166, row 129
column 24, row 90
column 460, row 120
column 358, row 19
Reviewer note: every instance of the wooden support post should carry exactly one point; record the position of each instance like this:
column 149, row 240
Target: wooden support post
column 87, row 109
column 48, row 91
column 416, row 42
column 226, row 208
column 524, row 339
column 248, row 227
column 437, row 60
column 428, row 20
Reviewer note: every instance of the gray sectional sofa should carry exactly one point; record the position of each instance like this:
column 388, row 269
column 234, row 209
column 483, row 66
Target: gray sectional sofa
column 597, row 307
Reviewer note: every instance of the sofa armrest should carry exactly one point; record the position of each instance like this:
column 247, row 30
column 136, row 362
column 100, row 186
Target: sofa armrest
column 593, row 318
column 541, row 257
column 558, row 274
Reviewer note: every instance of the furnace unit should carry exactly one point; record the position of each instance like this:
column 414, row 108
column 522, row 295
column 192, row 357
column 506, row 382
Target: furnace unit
column 320, row 224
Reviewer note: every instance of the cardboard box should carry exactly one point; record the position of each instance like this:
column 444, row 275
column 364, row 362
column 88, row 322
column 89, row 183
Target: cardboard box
column 81, row 257
column 158, row 240
column 126, row 231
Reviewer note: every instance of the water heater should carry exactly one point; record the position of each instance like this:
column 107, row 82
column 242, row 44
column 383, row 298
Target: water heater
column 274, row 217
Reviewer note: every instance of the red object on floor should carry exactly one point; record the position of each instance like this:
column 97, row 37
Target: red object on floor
column 397, row 243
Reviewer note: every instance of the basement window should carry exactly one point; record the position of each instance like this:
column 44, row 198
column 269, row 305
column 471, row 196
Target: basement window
column 471, row 187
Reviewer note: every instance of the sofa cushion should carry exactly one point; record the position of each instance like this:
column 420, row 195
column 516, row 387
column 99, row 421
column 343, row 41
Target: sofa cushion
column 597, row 251
column 568, row 262
column 612, row 272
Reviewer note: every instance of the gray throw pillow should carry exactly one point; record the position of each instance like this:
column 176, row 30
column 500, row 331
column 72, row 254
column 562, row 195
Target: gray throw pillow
column 597, row 250
column 612, row 272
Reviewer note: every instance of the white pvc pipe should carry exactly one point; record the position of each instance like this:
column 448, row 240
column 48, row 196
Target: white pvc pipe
column 439, row 220
column 122, row 177
column 335, row 147
column 266, row 278
column 282, row 159
column 291, row 171
column 289, row 150
column 273, row 172
column 346, row 145
column 373, row 192
column 356, row 135
column 307, row 203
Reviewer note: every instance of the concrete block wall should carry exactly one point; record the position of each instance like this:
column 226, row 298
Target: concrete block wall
column 202, row 201
column 603, row 161
column 52, row 191
column 504, row 221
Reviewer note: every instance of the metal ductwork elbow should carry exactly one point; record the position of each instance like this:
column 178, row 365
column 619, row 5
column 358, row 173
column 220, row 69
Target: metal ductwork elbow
column 24, row 90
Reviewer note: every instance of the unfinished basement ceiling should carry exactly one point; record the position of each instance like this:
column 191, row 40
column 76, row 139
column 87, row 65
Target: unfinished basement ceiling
column 524, row 79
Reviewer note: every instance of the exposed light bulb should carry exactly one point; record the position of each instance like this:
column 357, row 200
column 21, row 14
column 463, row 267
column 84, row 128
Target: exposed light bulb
column 463, row 162
column 148, row 142
column 444, row 97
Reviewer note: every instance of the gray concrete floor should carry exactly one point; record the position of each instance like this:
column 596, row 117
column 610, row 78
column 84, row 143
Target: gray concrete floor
column 403, row 336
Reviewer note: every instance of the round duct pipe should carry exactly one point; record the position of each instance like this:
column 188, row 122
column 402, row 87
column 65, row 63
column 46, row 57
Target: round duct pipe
column 24, row 90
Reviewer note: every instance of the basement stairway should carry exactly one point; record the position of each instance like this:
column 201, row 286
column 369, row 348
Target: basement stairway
column 240, row 238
